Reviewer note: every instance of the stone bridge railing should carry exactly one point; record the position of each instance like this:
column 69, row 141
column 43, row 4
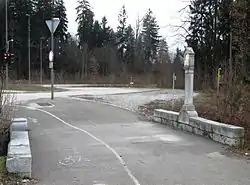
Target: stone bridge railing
column 188, row 120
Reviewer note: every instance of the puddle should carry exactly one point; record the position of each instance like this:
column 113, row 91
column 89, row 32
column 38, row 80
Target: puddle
column 215, row 155
column 163, row 138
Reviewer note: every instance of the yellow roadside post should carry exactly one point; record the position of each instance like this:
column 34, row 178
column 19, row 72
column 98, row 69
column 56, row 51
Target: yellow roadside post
column 218, row 80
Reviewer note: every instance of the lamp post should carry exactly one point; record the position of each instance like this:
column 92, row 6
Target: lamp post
column 29, row 46
column 7, row 43
column 188, row 109
column 52, row 25
column 41, row 60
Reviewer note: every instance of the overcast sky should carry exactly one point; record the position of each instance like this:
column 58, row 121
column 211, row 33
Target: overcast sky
column 166, row 12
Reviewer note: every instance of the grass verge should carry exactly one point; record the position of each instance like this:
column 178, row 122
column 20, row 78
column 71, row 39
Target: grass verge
column 7, row 178
column 2, row 168
column 30, row 88
column 11, row 178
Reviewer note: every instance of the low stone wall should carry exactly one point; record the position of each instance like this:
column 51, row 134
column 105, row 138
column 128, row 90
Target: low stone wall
column 222, row 133
column 19, row 158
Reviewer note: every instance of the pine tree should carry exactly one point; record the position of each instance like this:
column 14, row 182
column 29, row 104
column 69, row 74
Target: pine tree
column 106, row 32
column 60, row 35
column 96, row 34
column 163, row 53
column 139, row 64
column 130, row 48
column 178, row 62
column 2, row 32
column 178, row 59
column 121, row 33
column 60, row 11
column 212, row 21
column 207, row 35
column 150, row 37
column 240, row 23
column 71, row 63
column 18, row 31
column 85, row 20
column 43, row 12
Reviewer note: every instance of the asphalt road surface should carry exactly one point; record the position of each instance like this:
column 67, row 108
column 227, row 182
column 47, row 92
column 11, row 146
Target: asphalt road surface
column 83, row 143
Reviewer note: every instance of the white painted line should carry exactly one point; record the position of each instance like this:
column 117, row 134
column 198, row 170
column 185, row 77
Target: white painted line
column 122, row 162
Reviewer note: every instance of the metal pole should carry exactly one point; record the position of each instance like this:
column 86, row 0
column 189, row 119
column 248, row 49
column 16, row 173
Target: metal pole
column 230, row 47
column 230, row 58
column 52, row 70
column 52, row 49
column 173, row 81
column 29, row 48
column 41, row 61
column 6, row 39
column 173, row 86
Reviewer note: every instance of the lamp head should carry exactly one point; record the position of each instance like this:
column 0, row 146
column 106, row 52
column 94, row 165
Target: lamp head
column 189, row 57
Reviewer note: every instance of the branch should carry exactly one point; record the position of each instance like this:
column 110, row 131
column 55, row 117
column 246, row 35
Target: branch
column 177, row 34
column 185, row 21
column 182, row 11
column 180, row 27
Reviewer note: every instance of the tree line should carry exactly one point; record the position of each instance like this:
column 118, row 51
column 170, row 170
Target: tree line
column 97, row 50
column 219, row 33
column 18, row 25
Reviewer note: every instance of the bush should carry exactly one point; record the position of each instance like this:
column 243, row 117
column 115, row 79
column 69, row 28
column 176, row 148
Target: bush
column 4, row 136
column 6, row 114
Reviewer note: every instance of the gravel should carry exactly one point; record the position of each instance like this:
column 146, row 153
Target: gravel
column 133, row 101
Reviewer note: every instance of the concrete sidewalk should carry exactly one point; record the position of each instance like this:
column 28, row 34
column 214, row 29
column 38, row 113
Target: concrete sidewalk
column 78, row 142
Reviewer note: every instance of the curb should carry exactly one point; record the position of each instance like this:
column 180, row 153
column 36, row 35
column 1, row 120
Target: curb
column 19, row 157
column 162, row 91
column 107, row 85
column 104, row 103
column 113, row 105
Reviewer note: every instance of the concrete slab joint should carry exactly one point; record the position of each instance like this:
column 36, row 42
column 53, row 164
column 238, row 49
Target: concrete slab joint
column 19, row 157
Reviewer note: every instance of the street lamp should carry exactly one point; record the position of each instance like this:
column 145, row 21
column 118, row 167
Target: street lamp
column 189, row 59
column 41, row 60
column 6, row 39
column 28, row 15
column 8, row 44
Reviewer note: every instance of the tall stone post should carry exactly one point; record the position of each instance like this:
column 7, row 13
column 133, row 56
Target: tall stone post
column 188, row 109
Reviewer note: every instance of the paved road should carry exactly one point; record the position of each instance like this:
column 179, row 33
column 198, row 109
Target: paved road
column 83, row 143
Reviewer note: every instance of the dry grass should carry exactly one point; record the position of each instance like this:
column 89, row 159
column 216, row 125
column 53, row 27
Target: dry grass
column 30, row 88
column 26, row 87
column 160, row 79
column 6, row 114
column 11, row 179
column 2, row 168
column 4, row 136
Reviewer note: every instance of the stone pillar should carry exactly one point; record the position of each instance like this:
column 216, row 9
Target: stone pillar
column 188, row 109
